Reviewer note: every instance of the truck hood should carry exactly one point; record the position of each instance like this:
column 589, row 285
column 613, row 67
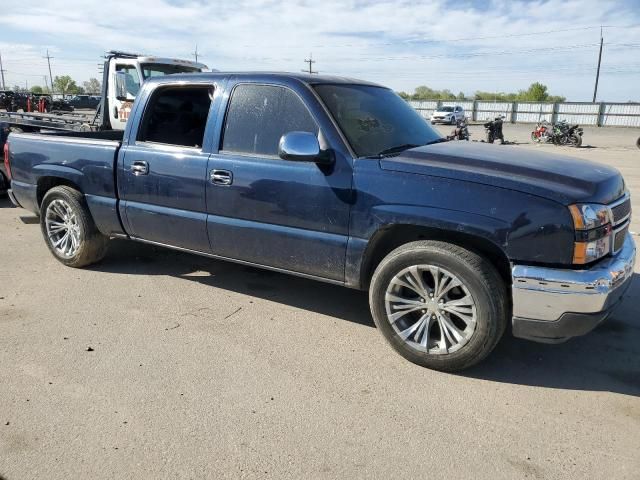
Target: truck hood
column 556, row 177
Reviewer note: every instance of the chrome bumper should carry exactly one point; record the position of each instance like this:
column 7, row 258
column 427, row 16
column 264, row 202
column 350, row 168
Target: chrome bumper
column 549, row 304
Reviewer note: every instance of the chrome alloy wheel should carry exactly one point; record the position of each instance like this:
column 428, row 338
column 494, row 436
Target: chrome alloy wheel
column 63, row 228
column 430, row 309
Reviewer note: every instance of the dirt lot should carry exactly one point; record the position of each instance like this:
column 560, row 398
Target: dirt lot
column 157, row 364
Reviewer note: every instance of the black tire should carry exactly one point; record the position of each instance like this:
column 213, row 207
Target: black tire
column 92, row 243
column 4, row 185
column 575, row 140
column 638, row 142
column 479, row 277
column 489, row 138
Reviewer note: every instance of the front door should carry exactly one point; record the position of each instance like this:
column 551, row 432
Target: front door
column 268, row 211
column 163, row 172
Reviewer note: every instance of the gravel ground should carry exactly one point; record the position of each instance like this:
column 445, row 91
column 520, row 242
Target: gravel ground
column 158, row 364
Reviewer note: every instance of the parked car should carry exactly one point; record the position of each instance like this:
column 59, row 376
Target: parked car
column 84, row 101
column 449, row 115
column 342, row 181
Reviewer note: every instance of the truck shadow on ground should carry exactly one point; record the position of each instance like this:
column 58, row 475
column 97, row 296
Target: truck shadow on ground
column 136, row 258
column 5, row 202
column 607, row 359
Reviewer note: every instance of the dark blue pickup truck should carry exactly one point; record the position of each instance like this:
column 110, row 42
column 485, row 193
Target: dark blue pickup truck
column 340, row 180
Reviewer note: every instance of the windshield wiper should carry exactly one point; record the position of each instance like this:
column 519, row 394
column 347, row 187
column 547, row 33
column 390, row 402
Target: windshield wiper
column 396, row 149
column 437, row 140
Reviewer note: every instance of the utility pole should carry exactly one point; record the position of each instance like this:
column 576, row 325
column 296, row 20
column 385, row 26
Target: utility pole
column 48, row 57
column 2, row 72
column 46, row 85
column 595, row 89
column 310, row 61
column 195, row 54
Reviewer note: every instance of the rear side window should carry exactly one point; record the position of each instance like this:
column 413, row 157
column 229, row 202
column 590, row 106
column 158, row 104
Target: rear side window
column 258, row 115
column 177, row 116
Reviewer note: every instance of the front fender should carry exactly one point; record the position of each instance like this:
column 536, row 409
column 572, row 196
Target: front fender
column 384, row 217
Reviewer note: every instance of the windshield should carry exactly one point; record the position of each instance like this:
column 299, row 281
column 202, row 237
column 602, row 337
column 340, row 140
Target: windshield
column 159, row 69
column 445, row 109
column 375, row 119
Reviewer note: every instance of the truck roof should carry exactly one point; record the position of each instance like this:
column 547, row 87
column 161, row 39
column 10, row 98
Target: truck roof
column 263, row 76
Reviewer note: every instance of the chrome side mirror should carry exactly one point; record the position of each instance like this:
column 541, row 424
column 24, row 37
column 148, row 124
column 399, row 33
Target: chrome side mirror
column 302, row 147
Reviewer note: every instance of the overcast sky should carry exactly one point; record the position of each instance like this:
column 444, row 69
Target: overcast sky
column 459, row 45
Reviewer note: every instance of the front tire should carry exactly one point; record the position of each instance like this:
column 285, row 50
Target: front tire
column 439, row 305
column 69, row 230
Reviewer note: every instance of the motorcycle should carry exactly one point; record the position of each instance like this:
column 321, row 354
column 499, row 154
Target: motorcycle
column 565, row 134
column 494, row 130
column 542, row 133
column 461, row 132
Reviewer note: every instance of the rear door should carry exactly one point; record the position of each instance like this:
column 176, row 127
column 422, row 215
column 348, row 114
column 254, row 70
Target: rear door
column 163, row 170
column 268, row 211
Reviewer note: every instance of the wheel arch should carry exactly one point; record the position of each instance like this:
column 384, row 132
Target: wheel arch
column 390, row 237
column 47, row 182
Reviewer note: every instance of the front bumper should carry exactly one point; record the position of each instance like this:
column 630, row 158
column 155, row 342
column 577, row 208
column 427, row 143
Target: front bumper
column 552, row 305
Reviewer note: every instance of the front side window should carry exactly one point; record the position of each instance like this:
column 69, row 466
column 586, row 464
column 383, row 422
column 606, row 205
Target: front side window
column 132, row 78
column 258, row 115
column 375, row 119
column 177, row 116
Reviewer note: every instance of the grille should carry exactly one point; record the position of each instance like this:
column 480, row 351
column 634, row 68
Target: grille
column 621, row 211
column 619, row 240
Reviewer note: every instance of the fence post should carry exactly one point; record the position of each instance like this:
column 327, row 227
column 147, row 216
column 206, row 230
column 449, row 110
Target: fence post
column 554, row 113
column 600, row 119
column 514, row 110
column 474, row 111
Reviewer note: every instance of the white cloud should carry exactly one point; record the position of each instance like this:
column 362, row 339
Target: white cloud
column 395, row 42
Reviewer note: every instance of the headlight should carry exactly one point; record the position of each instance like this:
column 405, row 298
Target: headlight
column 592, row 224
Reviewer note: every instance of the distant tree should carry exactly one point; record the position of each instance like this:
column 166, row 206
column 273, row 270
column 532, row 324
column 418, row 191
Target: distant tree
column 461, row 96
column 37, row 89
column 404, row 95
column 64, row 85
column 92, row 86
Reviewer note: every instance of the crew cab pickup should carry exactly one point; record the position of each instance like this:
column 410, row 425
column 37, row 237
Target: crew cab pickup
column 340, row 180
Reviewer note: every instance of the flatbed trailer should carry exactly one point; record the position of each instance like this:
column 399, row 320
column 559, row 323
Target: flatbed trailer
column 32, row 121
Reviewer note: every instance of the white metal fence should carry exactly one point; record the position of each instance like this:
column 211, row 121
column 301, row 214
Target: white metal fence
column 596, row 114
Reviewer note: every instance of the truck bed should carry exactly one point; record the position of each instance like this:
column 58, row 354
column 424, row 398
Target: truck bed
column 86, row 160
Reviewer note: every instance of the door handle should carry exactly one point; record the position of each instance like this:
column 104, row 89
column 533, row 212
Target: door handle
column 140, row 168
column 221, row 177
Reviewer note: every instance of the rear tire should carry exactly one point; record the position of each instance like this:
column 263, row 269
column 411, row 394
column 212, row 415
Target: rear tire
column 535, row 138
column 575, row 140
column 406, row 277
column 69, row 230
